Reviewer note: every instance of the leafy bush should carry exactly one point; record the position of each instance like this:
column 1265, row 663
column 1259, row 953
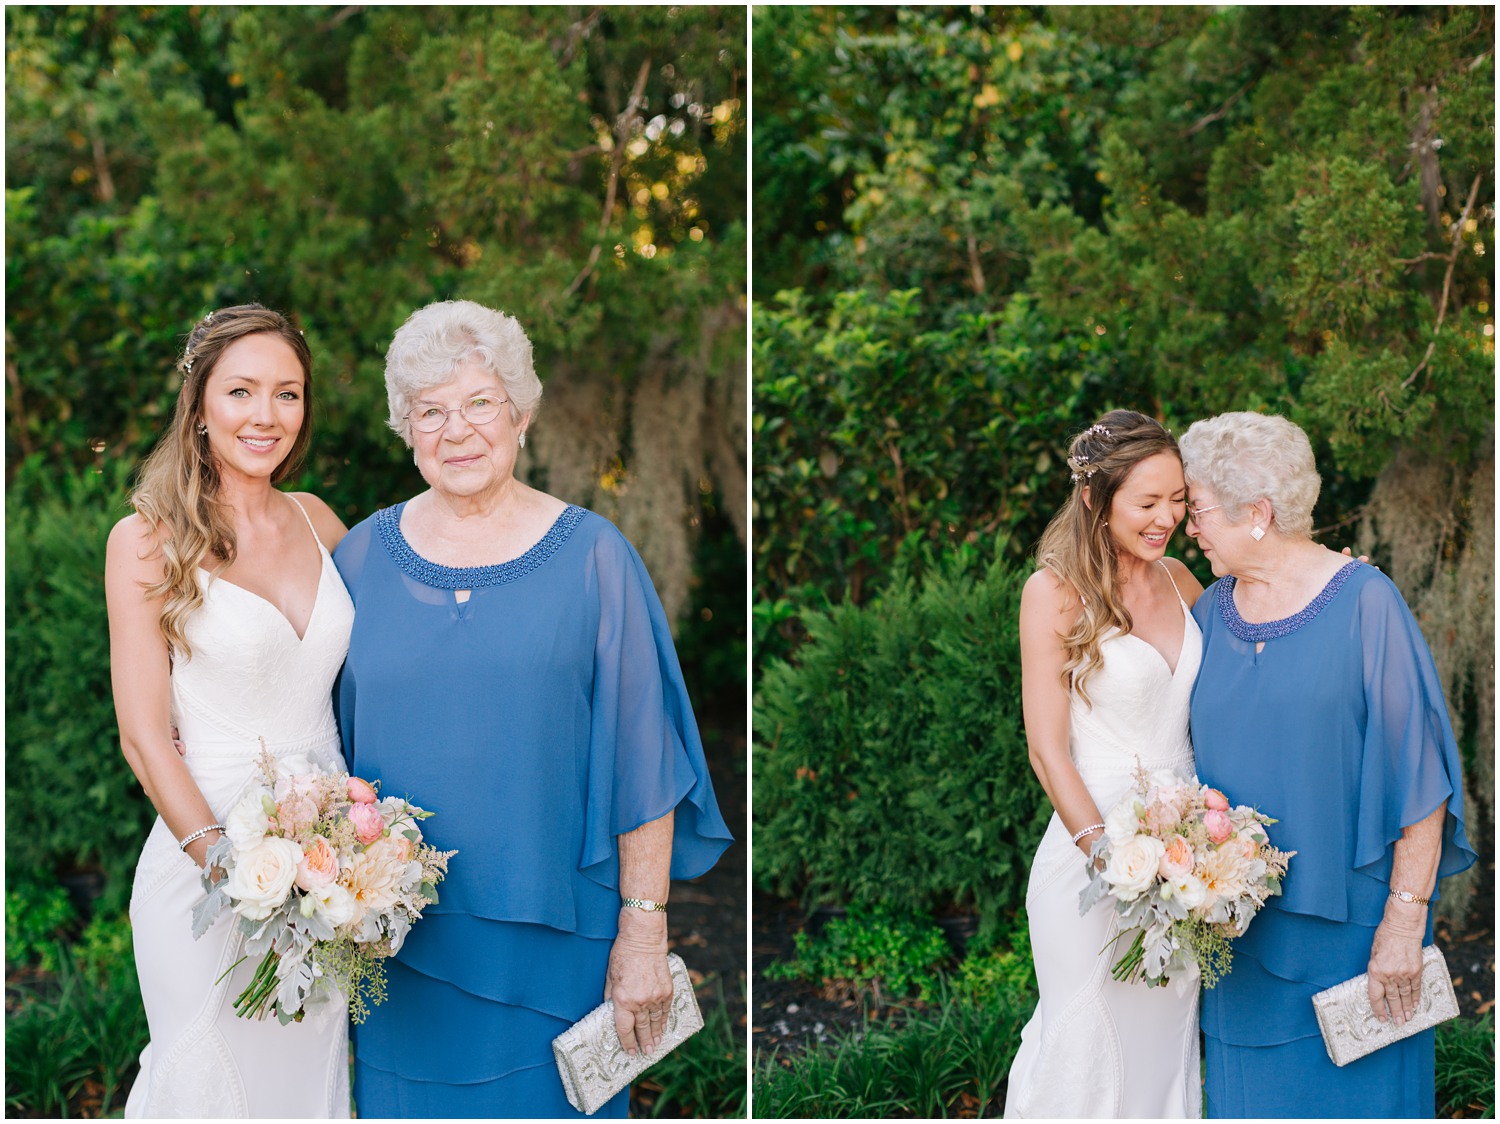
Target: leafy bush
column 63, row 764
column 880, row 427
column 873, row 948
column 951, row 1060
column 35, row 916
column 890, row 764
column 999, row 971
column 1466, row 1067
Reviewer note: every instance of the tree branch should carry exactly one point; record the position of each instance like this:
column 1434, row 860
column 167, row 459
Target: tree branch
column 623, row 124
column 101, row 162
column 351, row 10
column 1458, row 237
column 1218, row 114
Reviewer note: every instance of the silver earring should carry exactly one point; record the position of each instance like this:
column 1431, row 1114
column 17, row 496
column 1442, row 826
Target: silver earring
column 1257, row 532
column 523, row 439
column 202, row 430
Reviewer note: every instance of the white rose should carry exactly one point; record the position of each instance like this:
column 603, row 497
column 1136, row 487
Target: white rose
column 263, row 877
column 1187, row 889
column 1122, row 824
column 247, row 822
column 333, row 902
column 1131, row 869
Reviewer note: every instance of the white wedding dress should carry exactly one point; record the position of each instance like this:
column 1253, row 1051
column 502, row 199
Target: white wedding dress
column 249, row 678
column 1096, row 1048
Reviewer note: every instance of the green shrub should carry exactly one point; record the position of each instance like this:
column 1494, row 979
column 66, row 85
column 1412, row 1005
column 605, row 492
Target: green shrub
column 873, row 948
column 890, row 764
column 36, row 914
column 705, row 1076
column 1466, row 1067
column 996, row 972
column 83, row 807
column 85, row 1024
column 950, row 1060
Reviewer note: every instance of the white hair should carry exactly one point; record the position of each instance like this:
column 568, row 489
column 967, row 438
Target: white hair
column 434, row 341
column 1244, row 457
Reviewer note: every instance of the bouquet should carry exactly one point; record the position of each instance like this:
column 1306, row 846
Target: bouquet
column 326, row 878
column 1187, row 873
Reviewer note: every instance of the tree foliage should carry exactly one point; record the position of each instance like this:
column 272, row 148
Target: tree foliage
column 580, row 168
column 993, row 224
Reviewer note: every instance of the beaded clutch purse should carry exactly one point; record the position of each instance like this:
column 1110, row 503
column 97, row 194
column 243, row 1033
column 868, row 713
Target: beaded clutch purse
column 1350, row 1028
column 592, row 1063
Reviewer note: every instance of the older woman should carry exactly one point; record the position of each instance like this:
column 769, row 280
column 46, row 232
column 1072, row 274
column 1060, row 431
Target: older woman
column 511, row 668
column 1318, row 703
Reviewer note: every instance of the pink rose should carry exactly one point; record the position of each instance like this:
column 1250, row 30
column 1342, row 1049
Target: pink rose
column 1161, row 817
column 319, row 866
column 296, row 814
column 369, row 825
column 361, row 792
column 1216, row 800
column 1218, row 824
column 1177, row 860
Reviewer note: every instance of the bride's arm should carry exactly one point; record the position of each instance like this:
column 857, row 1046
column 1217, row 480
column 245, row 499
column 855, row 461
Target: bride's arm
column 1048, row 608
column 140, row 674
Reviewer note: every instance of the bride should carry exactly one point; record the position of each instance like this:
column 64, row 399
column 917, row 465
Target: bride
column 228, row 619
column 1109, row 653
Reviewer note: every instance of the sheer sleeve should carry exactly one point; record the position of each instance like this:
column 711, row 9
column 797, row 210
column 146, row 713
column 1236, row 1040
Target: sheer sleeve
column 1410, row 763
column 645, row 756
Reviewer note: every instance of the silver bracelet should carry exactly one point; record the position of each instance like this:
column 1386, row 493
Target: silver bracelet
column 645, row 903
column 1085, row 831
column 182, row 844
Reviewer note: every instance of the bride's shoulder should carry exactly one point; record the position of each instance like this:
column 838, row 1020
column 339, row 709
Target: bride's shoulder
column 1047, row 591
column 134, row 542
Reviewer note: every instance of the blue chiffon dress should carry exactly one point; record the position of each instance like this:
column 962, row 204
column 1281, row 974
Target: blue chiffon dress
column 1339, row 730
column 538, row 720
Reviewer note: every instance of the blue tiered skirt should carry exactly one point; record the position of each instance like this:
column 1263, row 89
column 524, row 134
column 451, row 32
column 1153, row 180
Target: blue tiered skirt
column 473, row 1007
column 1262, row 1047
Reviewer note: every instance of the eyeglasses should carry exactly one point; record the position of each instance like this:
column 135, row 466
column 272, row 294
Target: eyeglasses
column 476, row 411
column 1197, row 513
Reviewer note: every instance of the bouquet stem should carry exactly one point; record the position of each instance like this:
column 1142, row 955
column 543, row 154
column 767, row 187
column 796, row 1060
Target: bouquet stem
column 1127, row 969
column 252, row 1002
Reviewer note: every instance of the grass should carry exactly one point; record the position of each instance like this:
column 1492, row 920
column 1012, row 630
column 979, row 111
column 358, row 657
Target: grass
column 947, row 1059
column 1466, row 1068
column 73, row 1037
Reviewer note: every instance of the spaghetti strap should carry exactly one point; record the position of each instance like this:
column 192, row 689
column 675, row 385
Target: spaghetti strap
column 316, row 538
column 1162, row 562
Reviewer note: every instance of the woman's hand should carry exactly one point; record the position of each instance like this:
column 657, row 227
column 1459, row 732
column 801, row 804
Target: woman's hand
column 639, row 981
column 1396, row 962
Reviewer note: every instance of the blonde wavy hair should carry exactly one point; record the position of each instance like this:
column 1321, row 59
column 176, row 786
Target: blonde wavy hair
column 177, row 492
column 1076, row 546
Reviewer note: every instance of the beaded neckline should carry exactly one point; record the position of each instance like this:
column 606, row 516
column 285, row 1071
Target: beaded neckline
column 388, row 524
column 1275, row 630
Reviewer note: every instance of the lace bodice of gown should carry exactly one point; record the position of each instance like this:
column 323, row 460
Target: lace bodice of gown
column 1139, row 711
column 251, row 678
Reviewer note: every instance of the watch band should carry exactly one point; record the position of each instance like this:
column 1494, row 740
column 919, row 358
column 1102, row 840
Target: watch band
column 1409, row 898
column 645, row 903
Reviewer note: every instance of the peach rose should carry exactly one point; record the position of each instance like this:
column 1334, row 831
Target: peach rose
column 361, row 792
column 1176, row 860
column 319, row 865
column 1216, row 800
